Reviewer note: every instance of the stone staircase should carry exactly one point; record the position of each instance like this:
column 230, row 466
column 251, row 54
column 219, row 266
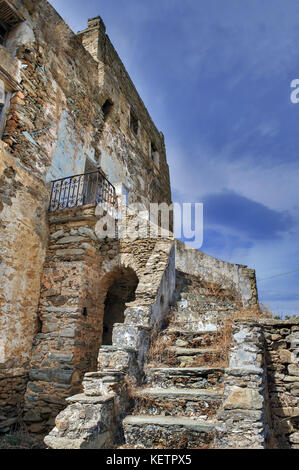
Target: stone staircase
column 194, row 381
column 183, row 386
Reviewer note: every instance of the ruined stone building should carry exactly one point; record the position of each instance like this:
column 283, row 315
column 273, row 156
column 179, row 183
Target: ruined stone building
column 116, row 342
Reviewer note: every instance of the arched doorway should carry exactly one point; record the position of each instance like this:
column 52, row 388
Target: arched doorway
column 124, row 282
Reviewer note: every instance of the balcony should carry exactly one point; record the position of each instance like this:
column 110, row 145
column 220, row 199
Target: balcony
column 80, row 190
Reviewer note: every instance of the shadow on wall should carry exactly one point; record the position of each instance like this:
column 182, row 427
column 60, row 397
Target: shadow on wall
column 119, row 294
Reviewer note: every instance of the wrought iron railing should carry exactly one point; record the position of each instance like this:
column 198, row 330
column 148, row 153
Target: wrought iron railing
column 79, row 190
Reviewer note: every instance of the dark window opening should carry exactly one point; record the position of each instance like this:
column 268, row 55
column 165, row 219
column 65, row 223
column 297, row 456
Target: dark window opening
column 107, row 108
column 84, row 312
column 8, row 19
column 39, row 326
column 3, row 33
column 4, row 106
column 119, row 294
column 134, row 123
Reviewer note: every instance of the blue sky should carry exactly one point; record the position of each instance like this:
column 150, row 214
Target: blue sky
column 215, row 76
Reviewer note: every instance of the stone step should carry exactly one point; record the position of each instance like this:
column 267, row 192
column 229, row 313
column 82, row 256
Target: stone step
column 204, row 293
column 204, row 303
column 180, row 351
column 199, row 315
column 188, row 357
column 197, row 356
column 191, row 339
column 195, row 325
column 191, row 377
column 173, row 401
column 164, row 432
column 121, row 358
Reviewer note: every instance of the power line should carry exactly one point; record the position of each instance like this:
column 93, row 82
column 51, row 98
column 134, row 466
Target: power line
column 279, row 275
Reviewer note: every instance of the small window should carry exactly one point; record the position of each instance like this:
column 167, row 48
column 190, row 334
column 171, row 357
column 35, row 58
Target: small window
column 84, row 312
column 8, row 19
column 4, row 105
column 155, row 155
column 134, row 122
column 107, row 108
column 3, row 33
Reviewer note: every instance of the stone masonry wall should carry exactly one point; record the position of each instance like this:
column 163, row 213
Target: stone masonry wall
column 23, row 240
column 240, row 278
column 106, row 399
column 282, row 359
column 241, row 420
column 260, row 409
column 54, row 123
column 45, row 85
column 78, row 271
column 125, row 156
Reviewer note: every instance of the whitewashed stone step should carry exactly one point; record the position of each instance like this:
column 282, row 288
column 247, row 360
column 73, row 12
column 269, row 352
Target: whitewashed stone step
column 179, row 351
column 202, row 325
column 186, row 393
column 180, row 331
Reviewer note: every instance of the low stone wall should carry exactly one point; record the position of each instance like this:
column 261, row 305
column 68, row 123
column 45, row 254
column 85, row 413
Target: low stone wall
column 209, row 269
column 12, row 389
column 282, row 359
column 261, row 406
column 241, row 419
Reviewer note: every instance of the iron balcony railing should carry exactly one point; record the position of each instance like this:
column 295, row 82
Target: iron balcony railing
column 79, row 190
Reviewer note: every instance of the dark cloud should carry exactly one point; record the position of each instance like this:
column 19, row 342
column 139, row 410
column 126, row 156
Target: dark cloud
column 254, row 220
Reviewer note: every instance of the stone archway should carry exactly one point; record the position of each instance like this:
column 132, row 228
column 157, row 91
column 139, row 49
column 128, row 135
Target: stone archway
column 122, row 288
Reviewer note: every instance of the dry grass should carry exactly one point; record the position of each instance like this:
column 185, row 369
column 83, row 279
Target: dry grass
column 182, row 443
column 21, row 440
column 266, row 311
column 130, row 388
column 215, row 289
column 223, row 339
column 148, row 402
column 178, row 406
column 19, row 437
column 159, row 350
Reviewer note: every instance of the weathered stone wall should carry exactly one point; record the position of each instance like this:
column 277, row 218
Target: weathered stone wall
column 44, row 86
column 282, row 360
column 53, row 124
column 260, row 409
column 240, row 278
column 241, row 421
column 23, row 239
column 125, row 156
column 106, row 398
column 78, row 271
